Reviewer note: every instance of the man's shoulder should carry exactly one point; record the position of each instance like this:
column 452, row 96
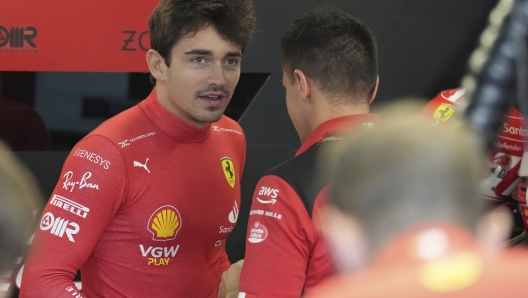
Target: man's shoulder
column 301, row 174
column 123, row 125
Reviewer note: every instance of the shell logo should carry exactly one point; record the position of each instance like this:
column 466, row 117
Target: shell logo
column 164, row 223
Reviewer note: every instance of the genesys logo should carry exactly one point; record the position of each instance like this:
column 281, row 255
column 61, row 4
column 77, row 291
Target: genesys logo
column 59, row 226
column 93, row 157
column 70, row 185
column 128, row 142
column 164, row 223
column 217, row 128
column 258, row 233
column 69, row 205
column 134, row 40
column 157, row 255
column 18, row 39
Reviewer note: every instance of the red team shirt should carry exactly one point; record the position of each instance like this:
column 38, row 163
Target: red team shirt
column 285, row 254
column 143, row 206
column 434, row 260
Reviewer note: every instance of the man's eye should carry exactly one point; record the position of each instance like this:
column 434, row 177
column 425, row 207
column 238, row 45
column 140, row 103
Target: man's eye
column 232, row 62
column 199, row 60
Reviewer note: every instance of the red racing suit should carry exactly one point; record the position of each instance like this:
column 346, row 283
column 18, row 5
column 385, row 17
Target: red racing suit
column 143, row 206
column 505, row 161
column 509, row 145
column 285, row 253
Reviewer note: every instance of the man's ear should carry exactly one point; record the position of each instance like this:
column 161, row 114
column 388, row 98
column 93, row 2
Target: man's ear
column 303, row 83
column 345, row 239
column 371, row 99
column 156, row 65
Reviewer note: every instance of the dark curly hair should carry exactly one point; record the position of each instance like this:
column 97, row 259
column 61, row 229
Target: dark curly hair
column 172, row 19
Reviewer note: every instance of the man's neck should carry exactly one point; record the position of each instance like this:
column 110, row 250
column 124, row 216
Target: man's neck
column 326, row 111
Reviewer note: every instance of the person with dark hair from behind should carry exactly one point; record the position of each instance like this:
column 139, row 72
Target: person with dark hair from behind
column 145, row 201
column 405, row 210
column 19, row 199
column 22, row 128
column 330, row 73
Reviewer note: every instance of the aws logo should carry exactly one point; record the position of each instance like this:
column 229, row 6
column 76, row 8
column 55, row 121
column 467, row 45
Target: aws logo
column 229, row 170
column 164, row 223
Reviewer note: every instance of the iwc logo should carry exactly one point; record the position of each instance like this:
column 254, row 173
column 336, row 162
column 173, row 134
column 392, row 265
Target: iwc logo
column 164, row 223
column 229, row 170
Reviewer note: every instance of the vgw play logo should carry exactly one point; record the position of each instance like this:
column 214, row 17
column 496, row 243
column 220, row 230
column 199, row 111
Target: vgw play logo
column 18, row 39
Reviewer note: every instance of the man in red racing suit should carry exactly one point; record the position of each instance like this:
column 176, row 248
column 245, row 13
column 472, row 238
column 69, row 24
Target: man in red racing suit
column 146, row 200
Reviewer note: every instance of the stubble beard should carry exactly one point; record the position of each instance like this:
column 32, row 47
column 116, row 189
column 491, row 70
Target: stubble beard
column 210, row 114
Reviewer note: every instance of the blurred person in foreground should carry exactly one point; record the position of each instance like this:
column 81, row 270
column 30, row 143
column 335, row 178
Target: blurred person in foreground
column 19, row 199
column 145, row 201
column 405, row 210
column 330, row 73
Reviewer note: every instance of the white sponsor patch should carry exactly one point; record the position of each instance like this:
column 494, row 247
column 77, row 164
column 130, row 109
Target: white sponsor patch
column 265, row 213
column 216, row 128
column 127, row 142
column 158, row 256
column 83, row 183
column 59, row 226
column 269, row 192
column 233, row 215
column 224, row 230
column 270, row 201
column 93, row 157
column 258, row 233
column 69, row 205
column 141, row 165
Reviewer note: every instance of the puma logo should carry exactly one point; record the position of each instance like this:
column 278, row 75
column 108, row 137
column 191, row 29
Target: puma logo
column 138, row 164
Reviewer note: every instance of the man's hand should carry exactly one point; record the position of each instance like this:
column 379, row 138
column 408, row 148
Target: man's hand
column 230, row 278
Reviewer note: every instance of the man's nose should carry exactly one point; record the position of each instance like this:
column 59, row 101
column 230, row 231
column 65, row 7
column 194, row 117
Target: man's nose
column 217, row 76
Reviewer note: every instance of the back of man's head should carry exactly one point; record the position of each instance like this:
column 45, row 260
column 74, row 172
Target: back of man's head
column 406, row 172
column 334, row 49
column 19, row 199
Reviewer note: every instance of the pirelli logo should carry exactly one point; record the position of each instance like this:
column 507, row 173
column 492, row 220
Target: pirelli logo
column 69, row 205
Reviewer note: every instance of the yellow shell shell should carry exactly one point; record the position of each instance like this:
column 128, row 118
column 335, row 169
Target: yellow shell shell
column 165, row 223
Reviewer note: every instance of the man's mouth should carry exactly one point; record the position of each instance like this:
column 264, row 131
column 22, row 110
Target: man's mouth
column 212, row 96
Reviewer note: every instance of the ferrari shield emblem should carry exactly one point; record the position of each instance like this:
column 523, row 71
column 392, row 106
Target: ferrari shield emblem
column 229, row 170
column 444, row 112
